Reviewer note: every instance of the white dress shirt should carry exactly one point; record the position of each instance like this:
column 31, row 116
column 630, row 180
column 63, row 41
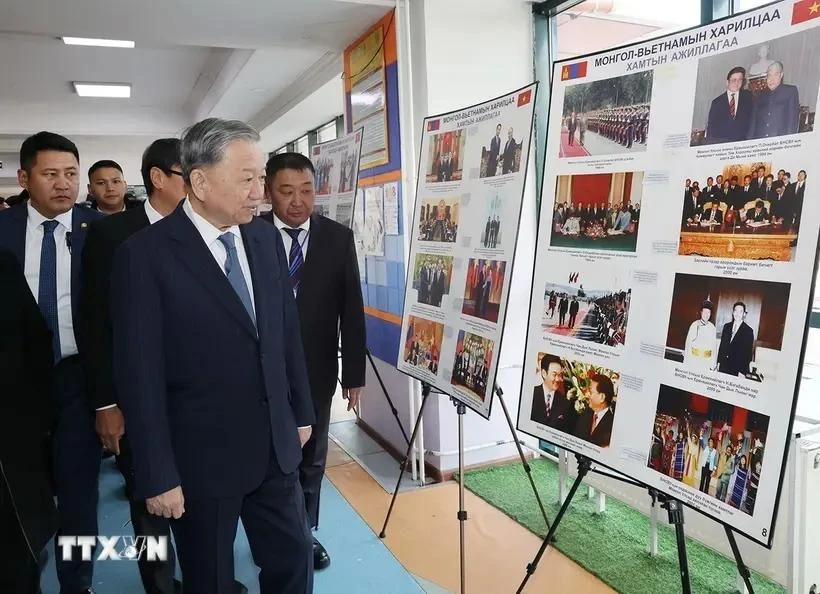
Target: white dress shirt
column 211, row 234
column 304, row 236
column 34, row 244
column 151, row 213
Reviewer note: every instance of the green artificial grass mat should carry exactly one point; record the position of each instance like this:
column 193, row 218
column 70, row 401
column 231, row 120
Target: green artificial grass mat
column 612, row 545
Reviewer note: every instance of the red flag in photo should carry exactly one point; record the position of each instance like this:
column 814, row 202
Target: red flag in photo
column 805, row 10
column 524, row 98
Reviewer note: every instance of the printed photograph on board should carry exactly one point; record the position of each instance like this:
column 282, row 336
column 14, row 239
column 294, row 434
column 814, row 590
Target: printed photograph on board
column 576, row 398
column 747, row 211
column 471, row 367
column 727, row 325
column 761, row 91
column 597, row 211
column 344, row 213
column 491, row 237
column 349, row 170
column 608, row 116
column 431, row 278
column 321, row 209
column 502, row 154
column 323, row 169
column 445, row 156
column 422, row 344
column 588, row 304
column 483, row 289
column 438, row 220
column 709, row 445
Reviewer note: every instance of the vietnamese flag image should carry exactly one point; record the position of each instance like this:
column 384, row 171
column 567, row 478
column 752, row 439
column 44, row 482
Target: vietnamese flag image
column 805, row 10
column 524, row 98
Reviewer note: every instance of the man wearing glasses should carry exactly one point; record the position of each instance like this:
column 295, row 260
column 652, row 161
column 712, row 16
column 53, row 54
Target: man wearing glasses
column 162, row 177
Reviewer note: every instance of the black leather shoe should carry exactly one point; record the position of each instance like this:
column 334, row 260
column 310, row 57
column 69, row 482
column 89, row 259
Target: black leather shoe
column 177, row 587
column 321, row 560
column 240, row 588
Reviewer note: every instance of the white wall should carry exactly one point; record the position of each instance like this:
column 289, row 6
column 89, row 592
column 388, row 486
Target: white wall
column 310, row 113
column 125, row 150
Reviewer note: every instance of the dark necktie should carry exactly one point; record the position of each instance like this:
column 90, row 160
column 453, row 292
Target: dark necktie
column 235, row 276
column 47, row 291
column 732, row 106
column 296, row 258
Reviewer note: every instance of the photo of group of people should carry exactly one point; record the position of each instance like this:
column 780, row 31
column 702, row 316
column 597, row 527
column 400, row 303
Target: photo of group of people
column 599, row 211
column 438, row 220
column 482, row 291
column 422, row 344
column 445, row 157
column 431, row 278
column 349, row 171
column 501, row 156
column 471, row 368
column 760, row 91
column 575, row 398
column 323, row 168
column 344, row 213
column 606, row 116
column 749, row 200
column 751, row 315
column 598, row 312
column 709, row 445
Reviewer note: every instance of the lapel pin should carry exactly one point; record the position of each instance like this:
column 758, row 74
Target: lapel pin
column 83, row 225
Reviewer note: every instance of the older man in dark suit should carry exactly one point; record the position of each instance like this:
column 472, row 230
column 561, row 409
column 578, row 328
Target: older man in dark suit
column 777, row 109
column 46, row 234
column 324, row 273
column 28, row 411
column 731, row 112
column 210, row 371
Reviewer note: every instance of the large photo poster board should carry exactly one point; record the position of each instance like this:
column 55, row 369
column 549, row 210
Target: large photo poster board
column 473, row 167
column 675, row 260
column 337, row 177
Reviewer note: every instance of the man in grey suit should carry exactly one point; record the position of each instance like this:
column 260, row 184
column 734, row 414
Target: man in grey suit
column 777, row 110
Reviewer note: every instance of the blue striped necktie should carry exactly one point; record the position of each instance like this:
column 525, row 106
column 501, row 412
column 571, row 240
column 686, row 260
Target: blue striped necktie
column 234, row 272
column 47, row 290
column 296, row 258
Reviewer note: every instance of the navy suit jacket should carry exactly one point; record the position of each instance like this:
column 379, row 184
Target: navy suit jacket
column 776, row 113
column 723, row 128
column 13, row 222
column 206, row 397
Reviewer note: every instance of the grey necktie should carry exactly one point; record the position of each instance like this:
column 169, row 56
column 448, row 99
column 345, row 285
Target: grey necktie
column 235, row 276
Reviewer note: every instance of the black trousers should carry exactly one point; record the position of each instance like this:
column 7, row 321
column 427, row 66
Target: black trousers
column 77, row 453
column 314, row 459
column 705, row 478
column 19, row 571
column 277, row 528
column 157, row 576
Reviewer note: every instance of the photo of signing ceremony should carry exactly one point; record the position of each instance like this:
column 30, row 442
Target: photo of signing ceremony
column 402, row 297
column 749, row 211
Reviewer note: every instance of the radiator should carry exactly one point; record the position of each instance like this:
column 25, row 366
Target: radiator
column 805, row 521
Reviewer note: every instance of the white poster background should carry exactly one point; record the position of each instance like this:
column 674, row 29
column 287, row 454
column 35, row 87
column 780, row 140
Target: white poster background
column 679, row 90
column 337, row 176
column 456, row 199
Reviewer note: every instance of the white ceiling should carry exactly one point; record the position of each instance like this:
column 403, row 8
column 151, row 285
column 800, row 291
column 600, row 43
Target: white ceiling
column 245, row 59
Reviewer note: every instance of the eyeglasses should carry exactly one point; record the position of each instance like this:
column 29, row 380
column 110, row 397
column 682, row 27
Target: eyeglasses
column 172, row 171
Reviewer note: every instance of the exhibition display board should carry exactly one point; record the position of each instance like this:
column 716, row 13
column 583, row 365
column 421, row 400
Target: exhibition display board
column 337, row 176
column 675, row 260
column 473, row 167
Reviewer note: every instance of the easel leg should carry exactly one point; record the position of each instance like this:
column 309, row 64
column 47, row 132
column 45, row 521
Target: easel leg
column 425, row 393
column 675, row 509
column 584, row 464
column 500, row 394
column 745, row 574
column 462, row 513
column 387, row 396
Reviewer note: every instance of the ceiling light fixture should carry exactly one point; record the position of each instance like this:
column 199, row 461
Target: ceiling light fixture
column 120, row 91
column 98, row 42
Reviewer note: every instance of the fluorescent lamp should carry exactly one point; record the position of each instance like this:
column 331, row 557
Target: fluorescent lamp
column 102, row 90
column 98, row 42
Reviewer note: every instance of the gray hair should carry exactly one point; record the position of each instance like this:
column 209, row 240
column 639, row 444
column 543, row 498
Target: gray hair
column 204, row 143
column 777, row 65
